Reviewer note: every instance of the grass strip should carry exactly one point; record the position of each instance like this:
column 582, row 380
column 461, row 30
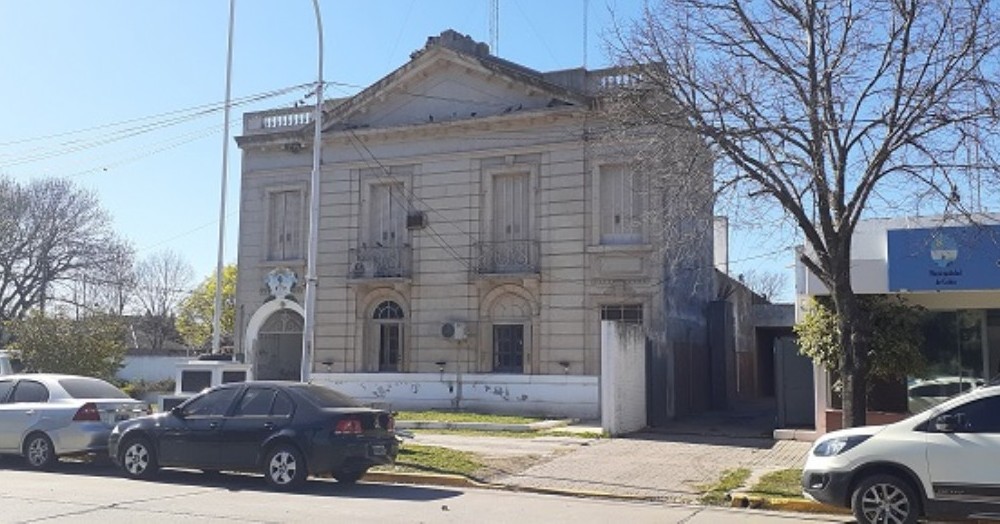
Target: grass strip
column 415, row 458
column 785, row 483
column 459, row 416
column 715, row 494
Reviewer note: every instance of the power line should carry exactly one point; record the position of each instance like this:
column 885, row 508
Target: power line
column 144, row 125
column 198, row 110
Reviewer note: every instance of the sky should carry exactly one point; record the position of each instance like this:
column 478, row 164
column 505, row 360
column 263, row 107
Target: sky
column 124, row 97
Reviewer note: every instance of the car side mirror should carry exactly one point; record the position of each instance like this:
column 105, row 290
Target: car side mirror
column 946, row 423
column 177, row 412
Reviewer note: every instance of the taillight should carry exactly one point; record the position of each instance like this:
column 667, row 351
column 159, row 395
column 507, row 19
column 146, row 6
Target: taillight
column 391, row 424
column 348, row 426
column 87, row 413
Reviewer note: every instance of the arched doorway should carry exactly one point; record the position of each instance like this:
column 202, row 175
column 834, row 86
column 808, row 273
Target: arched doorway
column 279, row 347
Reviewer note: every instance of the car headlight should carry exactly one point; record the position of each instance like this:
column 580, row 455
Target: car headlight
column 838, row 445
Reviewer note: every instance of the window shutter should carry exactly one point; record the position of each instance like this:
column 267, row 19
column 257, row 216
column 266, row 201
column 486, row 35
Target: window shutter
column 293, row 224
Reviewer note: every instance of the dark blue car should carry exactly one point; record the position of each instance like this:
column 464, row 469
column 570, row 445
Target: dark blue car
column 286, row 430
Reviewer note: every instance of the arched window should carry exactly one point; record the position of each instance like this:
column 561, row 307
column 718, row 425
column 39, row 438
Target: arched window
column 388, row 329
column 388, row 310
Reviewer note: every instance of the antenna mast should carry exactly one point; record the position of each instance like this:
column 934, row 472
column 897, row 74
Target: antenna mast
column 586, row 12
column 495, row 27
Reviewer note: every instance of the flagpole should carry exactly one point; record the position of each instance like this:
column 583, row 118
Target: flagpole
column 217, row 313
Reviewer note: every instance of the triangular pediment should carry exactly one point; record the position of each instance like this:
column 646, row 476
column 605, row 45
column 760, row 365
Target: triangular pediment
column 443, row 85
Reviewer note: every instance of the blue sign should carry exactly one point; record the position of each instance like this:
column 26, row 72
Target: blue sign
column 944, row 258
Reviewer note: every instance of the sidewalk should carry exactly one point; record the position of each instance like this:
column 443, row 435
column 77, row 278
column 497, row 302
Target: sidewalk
column 669, row 467
column 670, row 464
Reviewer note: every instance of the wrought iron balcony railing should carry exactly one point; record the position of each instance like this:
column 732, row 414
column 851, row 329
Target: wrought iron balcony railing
column 508, row 256
column 380, row 262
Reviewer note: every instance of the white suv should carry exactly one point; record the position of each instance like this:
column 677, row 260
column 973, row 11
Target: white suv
column 943, row 462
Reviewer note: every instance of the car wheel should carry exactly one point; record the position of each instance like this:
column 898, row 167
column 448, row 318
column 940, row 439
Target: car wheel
column 39, row 452
column 349, row 476
column 137, row 458
column 284, row 467
column 885, row 498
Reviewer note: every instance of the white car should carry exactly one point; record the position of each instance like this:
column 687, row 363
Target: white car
column 941, row 463
column 44, row 416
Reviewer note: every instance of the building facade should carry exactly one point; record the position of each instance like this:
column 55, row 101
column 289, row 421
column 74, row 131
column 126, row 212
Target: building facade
column 474, row 232
column 948, row 266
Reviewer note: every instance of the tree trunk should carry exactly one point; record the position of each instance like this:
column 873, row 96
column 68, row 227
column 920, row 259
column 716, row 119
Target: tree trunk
column 853, row 331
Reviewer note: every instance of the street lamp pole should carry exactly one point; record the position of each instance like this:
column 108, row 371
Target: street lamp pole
column 309, row 326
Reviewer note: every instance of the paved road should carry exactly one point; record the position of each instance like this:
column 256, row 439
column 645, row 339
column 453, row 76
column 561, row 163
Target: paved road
column 86, row 493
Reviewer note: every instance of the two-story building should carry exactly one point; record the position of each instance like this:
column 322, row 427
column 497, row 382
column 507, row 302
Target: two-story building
column 476, row 227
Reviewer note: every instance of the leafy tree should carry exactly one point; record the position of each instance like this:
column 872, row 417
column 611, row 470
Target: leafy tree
column 822, row 113
column 897, row 336
column 92, row 346
column 50, row 232
column 195, row 317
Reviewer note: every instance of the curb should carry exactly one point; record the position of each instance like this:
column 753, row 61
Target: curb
column 737, row 500
column 458, row 481
column 784, row 504
column 453, row 481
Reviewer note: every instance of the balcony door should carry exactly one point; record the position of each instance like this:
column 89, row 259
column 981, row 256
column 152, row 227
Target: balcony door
column 511, row 235
column 387, row 216
column 386, row 229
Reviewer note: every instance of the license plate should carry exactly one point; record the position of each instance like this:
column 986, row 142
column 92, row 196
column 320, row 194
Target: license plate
column 378, row 450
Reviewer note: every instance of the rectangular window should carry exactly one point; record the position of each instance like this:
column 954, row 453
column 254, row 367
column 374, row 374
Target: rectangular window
column 508, row 348
column 628, row 313
column 621, row 206
column 387, row 215
column 285, row 225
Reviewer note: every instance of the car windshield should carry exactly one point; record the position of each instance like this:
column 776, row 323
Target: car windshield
column 328, row 398
column 90, row 388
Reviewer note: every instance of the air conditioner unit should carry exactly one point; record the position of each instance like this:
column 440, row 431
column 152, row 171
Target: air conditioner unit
column 416, row 220
column 454, row 331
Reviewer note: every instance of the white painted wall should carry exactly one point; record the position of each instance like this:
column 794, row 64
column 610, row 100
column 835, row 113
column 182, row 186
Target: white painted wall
column 720, row 237
column 150, row 368
column 529, row 395
column 623, row 371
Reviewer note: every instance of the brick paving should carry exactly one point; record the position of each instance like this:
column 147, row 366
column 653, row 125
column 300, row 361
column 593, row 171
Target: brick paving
column 667, row 467
column 672, row 463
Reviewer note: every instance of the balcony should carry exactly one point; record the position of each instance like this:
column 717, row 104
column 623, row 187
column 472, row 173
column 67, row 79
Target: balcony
column 276, row 120
column 508, row 257
column 380, row 262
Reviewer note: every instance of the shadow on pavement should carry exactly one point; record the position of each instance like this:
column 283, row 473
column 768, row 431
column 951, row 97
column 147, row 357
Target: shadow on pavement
column 233, row 481
column 703, row 439
column 749, row 424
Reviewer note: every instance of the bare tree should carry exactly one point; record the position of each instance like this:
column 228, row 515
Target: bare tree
column 828, row 111
column 768, row 284
column 115, row 281
column 162, row 282
column 50, row 231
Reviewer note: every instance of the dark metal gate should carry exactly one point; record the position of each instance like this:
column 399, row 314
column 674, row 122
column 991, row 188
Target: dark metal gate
column 793, row 385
